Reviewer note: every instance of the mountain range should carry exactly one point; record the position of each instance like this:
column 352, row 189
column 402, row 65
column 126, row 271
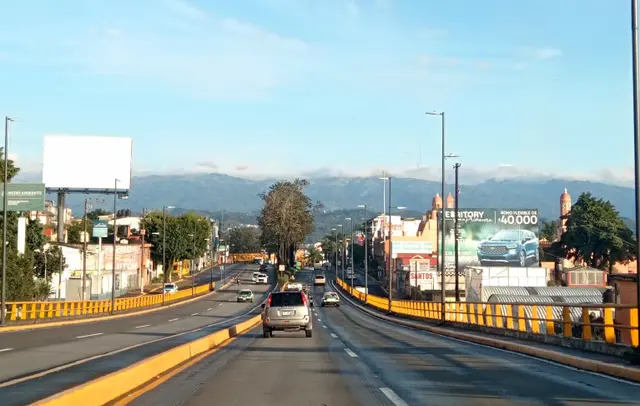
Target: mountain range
column 214, row 192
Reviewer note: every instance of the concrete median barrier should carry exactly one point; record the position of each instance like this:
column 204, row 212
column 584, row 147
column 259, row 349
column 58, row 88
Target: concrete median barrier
column 109, row 388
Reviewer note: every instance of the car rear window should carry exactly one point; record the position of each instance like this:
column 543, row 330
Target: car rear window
column 287, row 299
column 319, row 277
column 245, row 292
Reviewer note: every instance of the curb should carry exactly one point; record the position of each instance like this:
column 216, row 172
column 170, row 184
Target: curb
column 37, row 326
column 117, row 384
column 618, row 371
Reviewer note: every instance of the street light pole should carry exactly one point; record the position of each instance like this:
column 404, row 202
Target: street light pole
column 5, row 204
column 442, row 223
column 390, row 248
column 84, row 250
column 456, row 232
column 366, row 253
column 636, row 141
column 193, row 268
column 336, row 252
column 115, row 242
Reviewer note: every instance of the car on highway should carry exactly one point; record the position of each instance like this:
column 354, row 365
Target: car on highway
column 262, row 279
column 286, row 311
column 254, row 276
column 350, row 274
column 330, row 299
column 170, row 288
column 245, row 295
column 294, row 287
column 263, row 267
column 319, row 280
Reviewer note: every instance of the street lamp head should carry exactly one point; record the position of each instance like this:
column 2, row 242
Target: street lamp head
column 401, row 207
column 338, row 225
column 333, row 229
column 362, row 206
column 434, row 113
column 347, row 218
column 451, row 156
column 169, row 207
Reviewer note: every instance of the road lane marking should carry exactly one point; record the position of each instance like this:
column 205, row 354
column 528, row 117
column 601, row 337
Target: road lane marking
column 120, row 350
column 333, row 335
column 177, row 318
column 351, row 353
column 144, row 325
column 90, row 335
column 219, row 304
column 393, row 397
column 6, row 349
column 323, row 326
column 194, row 314
column 209, row 309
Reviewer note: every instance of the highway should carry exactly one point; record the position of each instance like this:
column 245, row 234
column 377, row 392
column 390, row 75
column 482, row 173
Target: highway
column 115, row 343
column 356, row 359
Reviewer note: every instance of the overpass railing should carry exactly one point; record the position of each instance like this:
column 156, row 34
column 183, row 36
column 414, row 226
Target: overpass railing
column 610, row 324
column 50, row 311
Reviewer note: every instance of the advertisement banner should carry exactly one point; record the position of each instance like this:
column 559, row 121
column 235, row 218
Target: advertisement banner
column 24, row 196
column 492, row 237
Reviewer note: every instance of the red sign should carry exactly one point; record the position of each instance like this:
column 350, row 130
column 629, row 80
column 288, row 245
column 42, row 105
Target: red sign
column 421, row 275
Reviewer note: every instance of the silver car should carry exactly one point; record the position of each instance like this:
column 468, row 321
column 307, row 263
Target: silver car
column 286, row 311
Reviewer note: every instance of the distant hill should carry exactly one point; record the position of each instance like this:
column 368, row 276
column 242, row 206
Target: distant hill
column 215, row 192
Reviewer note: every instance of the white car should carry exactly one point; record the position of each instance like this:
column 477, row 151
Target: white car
column 170, row 288
column 330, row 299
column 262, row 279
column 255, row 275
column 350, row 274
column 319, row 280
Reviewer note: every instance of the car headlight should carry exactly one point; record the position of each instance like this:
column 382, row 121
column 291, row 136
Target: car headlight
column 512, row 246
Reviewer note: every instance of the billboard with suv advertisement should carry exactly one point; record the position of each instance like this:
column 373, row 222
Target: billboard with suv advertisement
column 492, row 237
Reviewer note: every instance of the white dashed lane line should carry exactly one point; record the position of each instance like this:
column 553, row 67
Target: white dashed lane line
column 194, row 314
column 323, row 326
column 144, row 325
column 5, row 349
column 90, row 335
column 351, row 353
column 209, row 309
column 393, row 397
column 333, row 335
column 177, row 318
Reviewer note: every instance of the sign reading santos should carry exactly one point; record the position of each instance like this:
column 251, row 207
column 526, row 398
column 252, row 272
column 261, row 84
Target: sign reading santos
column 486, row 237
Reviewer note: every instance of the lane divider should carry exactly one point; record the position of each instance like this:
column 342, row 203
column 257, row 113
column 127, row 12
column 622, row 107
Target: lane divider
column 590, row 365
column 113, row 386
column 8, row 329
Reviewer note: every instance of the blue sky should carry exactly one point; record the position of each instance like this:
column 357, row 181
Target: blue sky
column 289, row 87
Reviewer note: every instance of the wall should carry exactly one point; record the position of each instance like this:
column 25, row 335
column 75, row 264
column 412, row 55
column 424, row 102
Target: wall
column 626, row 294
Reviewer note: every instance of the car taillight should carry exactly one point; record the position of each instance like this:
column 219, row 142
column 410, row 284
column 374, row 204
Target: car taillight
column 304, row 299
column 269, row 300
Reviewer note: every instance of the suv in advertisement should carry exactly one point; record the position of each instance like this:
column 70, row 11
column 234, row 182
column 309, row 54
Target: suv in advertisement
column 510, row 247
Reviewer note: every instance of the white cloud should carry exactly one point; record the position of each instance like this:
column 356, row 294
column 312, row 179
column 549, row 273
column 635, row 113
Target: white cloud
column 540, row 54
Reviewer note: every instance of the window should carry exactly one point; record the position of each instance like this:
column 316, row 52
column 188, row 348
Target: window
column 287, row 299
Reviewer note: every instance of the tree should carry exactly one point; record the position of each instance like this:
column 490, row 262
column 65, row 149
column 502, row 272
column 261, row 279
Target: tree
column 328, row 244
column 95, row 214
column 548, row 230
column 75, row 230
column 179, row 238
column 286, row 218
column 314, row 256
column 244, row 240
column 596, row 235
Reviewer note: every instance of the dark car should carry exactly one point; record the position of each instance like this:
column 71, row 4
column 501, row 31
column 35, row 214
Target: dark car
column 263, row 267
column 510, row 247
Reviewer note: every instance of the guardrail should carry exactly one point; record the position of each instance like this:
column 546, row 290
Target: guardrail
column 38, row 311
column 610, row 324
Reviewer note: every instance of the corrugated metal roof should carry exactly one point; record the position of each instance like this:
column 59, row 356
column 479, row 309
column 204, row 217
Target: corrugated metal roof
column 567, row 291
column 575, row 313
column 488, row 291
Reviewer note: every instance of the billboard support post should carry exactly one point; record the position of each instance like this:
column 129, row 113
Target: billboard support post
column 5, row 201
column 84, row 251
column 456, row 232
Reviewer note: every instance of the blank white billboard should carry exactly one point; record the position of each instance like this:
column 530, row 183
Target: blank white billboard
column 86, row 163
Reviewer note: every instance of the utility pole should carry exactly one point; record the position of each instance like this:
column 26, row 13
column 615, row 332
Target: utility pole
column 366, row 253
column 84, row 251
column 193, row 268
column 636, row 142
column 143, row 231
column 456, row 231
column 5, row 204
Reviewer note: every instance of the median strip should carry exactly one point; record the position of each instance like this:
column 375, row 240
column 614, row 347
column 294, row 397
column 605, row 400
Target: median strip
column 116, row 385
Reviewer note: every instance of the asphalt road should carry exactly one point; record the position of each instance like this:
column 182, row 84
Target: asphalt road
column 355, row 359
column 29, row 352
